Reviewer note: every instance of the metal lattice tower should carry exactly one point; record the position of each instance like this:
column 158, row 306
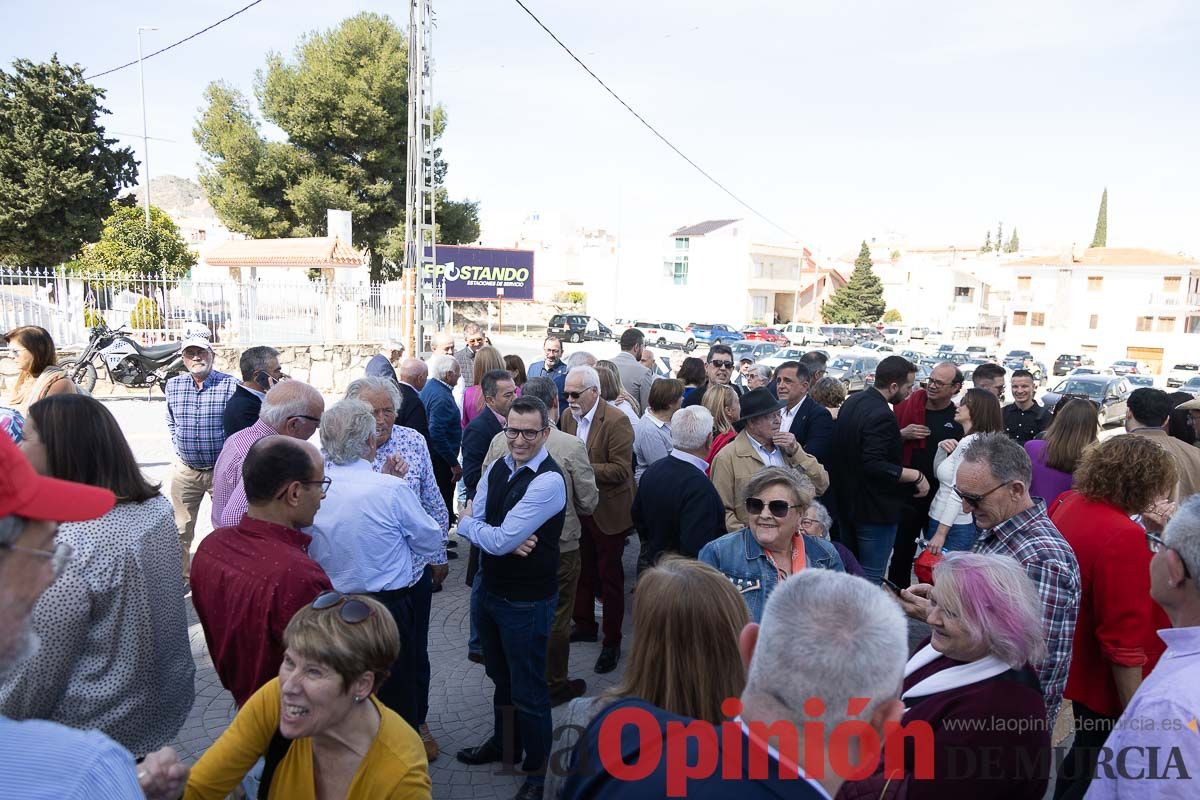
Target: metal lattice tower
column 420, row 199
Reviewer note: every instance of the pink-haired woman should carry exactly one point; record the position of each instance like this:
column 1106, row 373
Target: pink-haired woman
column 974, row 686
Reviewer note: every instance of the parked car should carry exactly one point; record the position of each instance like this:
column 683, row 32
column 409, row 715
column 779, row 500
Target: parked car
column 802, row 333
column 957, row 358
column 713, row 334
column 838, row 335
column 855, row 372
column 1090, row 371
column 666, row 334
column 1137, row 381
column 1181, row 374
column 1067, row 362
column 1128, row 366
column 781, row 355
column 1036, row 367
column 752, row 350
column 1191, row 386
column 578, row 328
column 919, row 333
column 978, row 351
column 893, row 335
column 1015, row 354
column 874, row 348
column 772, row 335
column 1110, row 392
column 945, row 348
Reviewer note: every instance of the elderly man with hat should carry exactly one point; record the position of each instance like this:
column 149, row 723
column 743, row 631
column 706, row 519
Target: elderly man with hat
column 195, row 406
column 759, row 444
column 40, row 758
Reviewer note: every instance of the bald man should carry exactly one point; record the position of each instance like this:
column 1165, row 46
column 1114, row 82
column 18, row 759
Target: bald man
column 411, row 414
column 292, row 409
column 443, row 343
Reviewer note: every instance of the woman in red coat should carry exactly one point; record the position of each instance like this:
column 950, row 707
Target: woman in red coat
column 1116, row 643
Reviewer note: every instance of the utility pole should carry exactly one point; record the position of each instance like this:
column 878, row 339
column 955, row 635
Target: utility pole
column 420, row 256
column 145, row 137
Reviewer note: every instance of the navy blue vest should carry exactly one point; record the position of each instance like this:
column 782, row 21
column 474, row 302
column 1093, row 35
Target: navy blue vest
column 513, row 577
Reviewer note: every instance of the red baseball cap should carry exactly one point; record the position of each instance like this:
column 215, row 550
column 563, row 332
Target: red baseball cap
column 27, row 494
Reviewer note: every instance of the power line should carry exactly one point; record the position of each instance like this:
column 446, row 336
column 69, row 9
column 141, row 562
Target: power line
column 176, row 44
column 650, row 127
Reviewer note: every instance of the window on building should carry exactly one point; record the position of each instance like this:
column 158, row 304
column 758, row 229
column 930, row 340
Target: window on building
column 1020, row 318
column 1145, row 323
column 1024, row 283
column 1171, row 284
column 1095, row 284
column 1191, row 325
column 1086, row 348
column 962, row 294
column 681, row 243
column 1166, row 324
column 1094, row 321
column 1037, row 319
column 679, row 271
column 758, row 269
column 758, row 306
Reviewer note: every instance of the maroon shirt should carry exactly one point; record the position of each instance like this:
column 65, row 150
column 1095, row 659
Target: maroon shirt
column 247, row 582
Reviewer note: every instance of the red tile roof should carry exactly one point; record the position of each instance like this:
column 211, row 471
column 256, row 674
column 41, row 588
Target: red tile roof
column 701, row 228
column 314, row 251
column 1109, row 257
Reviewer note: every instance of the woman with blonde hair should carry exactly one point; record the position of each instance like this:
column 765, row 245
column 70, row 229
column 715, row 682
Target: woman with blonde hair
column 687, row 618
column 1072, row 431
column 725, row 406
column 37, row 361
column 612, row 391
column 487, row 358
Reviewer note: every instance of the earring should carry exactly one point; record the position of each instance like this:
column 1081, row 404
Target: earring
column 357, row 699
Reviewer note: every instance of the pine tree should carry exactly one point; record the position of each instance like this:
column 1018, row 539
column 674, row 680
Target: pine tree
column 1014, row 244
column 987, row 243
column 1100, row 238
column 999, row 237
column 860, row 300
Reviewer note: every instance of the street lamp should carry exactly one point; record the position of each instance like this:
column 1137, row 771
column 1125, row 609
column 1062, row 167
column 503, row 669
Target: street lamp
column 145, row 137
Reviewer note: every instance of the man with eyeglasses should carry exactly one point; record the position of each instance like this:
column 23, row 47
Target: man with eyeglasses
column 249, row 579
column 719, row 367
column 993, row 484
column 476, row 339
column 516, row 519
column 290, row 408
column 40, row 758
column 196, row 403
column 1170, row 694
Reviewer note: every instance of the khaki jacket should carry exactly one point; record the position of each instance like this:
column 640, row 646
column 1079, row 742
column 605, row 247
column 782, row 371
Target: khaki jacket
column 1186, row 457
column 737, row 463
column 572, row 458
column 610, row 448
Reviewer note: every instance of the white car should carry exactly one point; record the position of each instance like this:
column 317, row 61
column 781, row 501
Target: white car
column 873, row 349
column 1181, row 374
column 666, row 334
column 803, row 333
column 782, row 355
column 1192, row 386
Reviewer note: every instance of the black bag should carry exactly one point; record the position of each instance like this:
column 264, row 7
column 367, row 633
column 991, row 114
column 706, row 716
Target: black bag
column 276, row 750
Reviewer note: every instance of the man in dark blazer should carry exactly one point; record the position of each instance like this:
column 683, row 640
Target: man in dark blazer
column 866, row 467
column 445, row 426
column 807, row 420
column 413, row 377
column 676, row 508
column 499, row 392
column 608, row 435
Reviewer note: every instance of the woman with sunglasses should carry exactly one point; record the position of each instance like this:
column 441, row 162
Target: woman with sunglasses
column 1115, row 643
column 774, row 547
column 949, row 527
column 318, row 725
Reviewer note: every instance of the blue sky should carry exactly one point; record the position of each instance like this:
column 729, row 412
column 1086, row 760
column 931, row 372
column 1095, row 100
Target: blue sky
column 837, row 119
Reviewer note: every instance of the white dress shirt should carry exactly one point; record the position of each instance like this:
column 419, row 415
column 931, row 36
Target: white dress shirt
column 773, row 458
column 369, row 528
column 585, row 422
column 789, row 415
column 545, row 496
column 698, row 463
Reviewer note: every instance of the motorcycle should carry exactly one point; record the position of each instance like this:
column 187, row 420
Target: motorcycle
column 125, row 360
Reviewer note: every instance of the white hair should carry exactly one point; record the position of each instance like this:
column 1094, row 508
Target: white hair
column 589, row 376
column 442, row 365
column 581, row 358
column 820, row 513
column 1183, row 533
column 831, row 636
column 394, row 344
column 285, row 400
column 347, row 428
column 691, row 427
column 762, row 371
column 375, row 383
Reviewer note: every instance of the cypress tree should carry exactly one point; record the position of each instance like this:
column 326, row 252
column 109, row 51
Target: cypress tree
column 1100, row 238
column 860, row 300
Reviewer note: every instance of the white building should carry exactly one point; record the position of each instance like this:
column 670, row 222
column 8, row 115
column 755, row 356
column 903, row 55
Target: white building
column 570, row 259
column 1109, row 303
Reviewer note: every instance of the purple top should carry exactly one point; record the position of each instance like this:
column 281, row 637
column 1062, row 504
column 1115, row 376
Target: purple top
column 1048, row 483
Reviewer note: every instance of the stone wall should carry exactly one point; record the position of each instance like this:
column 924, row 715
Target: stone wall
column 329, row 368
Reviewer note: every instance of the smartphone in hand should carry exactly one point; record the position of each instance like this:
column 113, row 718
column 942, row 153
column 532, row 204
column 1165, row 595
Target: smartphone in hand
column 893, row 586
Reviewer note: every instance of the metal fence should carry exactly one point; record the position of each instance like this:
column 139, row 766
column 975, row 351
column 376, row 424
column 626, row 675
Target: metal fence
column 158, row 308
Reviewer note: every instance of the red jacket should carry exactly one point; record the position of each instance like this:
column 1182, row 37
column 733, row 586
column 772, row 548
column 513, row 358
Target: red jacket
column 1118, row 621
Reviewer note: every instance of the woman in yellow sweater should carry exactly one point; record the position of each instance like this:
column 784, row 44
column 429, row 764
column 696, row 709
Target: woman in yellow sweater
column 323, row 733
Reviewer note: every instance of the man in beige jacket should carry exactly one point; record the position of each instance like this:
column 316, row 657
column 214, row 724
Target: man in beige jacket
column 760, row 444
column 1146, row 415
column 571, row 455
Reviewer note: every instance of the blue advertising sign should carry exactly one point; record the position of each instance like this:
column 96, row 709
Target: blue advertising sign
column 480, row 273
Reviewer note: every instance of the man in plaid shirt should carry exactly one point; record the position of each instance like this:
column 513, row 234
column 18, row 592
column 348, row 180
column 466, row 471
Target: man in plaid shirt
column 195, row 403
column 993, row 483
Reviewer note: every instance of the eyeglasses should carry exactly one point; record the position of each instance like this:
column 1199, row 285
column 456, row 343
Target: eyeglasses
column 352, row 611
column 59, row 556
column 1157, row 545
column 808, row 522
column 528, row 434
column 974, row 500
column 577, row 395
column 934, row 383
column 778, row 508
column 317, row 420
column 325, row 484
column 722, row 364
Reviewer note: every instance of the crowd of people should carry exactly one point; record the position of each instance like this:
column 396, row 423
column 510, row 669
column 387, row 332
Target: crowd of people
column 779, row 525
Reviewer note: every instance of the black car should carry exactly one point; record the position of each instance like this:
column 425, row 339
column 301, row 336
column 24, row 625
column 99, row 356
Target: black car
column 1067, row 362
column 1108, row 392
column 855, row 372
column 578, row 328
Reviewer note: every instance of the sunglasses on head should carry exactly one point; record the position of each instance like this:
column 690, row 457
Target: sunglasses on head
column 974, row 500
column 778, row 508
column 351, row 611
column 722, row 364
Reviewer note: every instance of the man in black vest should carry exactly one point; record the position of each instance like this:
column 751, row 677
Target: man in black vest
column 522, row 500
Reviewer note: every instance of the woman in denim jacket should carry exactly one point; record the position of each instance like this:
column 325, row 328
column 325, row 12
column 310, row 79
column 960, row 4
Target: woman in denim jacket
column 774, row 547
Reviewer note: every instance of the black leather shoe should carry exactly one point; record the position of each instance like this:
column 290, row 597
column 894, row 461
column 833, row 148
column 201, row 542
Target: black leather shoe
column 452, row 544
column 607, row 661
column 451, row 554
column 528, row 791
column 579, row 636
column 486, row 753
column 576, row 687
column 476, row 658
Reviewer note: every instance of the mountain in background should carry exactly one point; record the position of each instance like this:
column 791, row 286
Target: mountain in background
column 177, row 196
